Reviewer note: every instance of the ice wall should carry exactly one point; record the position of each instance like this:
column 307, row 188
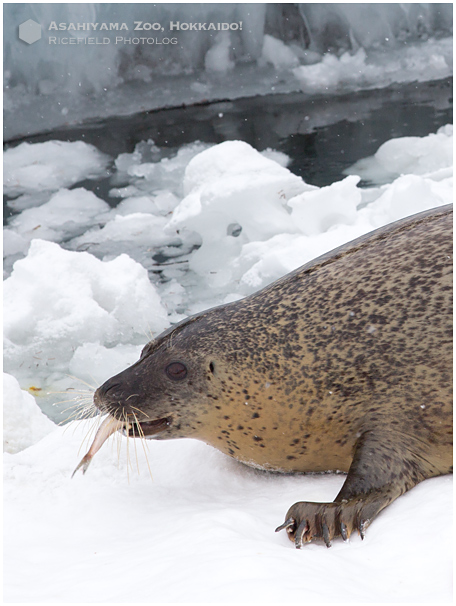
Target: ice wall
column 47, row 79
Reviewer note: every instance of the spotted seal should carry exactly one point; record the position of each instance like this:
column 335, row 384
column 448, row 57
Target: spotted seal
column 344, row 364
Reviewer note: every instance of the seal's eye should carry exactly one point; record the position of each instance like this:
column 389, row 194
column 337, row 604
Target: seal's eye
column 176, row 371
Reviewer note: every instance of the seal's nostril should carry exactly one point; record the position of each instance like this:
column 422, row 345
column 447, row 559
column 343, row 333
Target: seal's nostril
column 111, row 389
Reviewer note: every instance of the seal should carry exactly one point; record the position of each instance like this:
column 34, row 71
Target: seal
column 344, row 364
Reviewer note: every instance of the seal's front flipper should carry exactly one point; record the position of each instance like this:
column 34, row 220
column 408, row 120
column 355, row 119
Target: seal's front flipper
column 383, row 467
column 307, row 521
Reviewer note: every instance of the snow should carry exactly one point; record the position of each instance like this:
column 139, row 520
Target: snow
column 227, row 185
column 202, row 529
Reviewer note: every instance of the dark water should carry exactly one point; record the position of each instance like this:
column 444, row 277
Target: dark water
column 322, row 135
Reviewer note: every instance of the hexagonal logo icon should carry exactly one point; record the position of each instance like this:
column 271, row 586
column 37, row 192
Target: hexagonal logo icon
column 30, row 31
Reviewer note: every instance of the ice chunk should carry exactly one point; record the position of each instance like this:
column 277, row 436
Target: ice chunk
column 67, row 214
column 317, row 211
column 231, row 184
column 55, row 300
column 34, row 167
column 406, row 196
column 23, row 422
column 139, row 228
column 408, row 155
column 161, row 177
column 417, row 155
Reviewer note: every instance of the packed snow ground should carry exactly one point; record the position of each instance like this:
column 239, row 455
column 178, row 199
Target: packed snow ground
column 203, row 531
column 87, row 290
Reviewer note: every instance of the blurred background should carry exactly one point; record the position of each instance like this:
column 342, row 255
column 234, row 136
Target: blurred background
column 268, row 49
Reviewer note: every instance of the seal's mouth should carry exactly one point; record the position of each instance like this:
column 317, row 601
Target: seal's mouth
column 147, row 428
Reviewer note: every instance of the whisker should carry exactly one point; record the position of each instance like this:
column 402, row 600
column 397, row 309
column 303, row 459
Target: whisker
column 70, row 390
column 144, row 445
column 134, row 443
column 75, row 400
column 80, row 405
column 88, row 433
column 74, row 423
column 128, row 452
column 119, row 448
column 95, row 381
column 134, row 408
column 93, row 387
column 78, row 416
column 75, row 403
column 149, row 335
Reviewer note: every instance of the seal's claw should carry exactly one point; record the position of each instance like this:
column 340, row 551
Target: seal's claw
column 289, row 522
column 343, row 531
column 362, row 528
column 325, row 530
column 301, row 534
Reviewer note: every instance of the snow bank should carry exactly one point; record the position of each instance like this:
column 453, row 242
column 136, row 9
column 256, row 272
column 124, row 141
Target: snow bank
column 355, row 70
column 56, row 300
column 202, row 531
column 23, row 422
column 35, row 167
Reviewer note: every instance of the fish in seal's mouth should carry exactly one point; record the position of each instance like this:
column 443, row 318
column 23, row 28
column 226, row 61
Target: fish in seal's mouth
column 135, row 429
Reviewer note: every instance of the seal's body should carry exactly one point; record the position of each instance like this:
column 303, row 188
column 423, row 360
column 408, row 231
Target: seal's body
column 344, row 364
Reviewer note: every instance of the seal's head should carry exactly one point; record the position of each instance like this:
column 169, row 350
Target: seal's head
column 167, row 391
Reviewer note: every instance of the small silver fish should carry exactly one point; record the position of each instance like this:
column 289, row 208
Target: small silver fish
column 106, row 429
